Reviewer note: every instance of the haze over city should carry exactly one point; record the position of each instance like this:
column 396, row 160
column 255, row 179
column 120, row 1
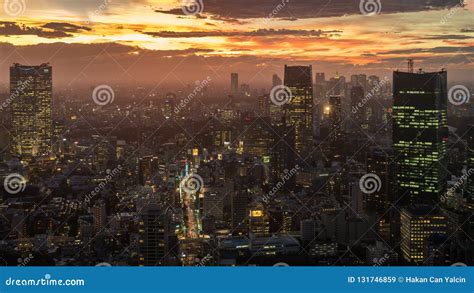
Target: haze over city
column 237, row 133
column 149, row 42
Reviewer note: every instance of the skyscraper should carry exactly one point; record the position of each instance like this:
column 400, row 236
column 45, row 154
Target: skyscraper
column 152, row 243
column 100, row 216
column 419, row 136
column 378, row 162
column 234, row 84
column 320, row 86
column 419, row 222
column 337, row 85
column 258, row 221
column 299, row 110
column 31, row 89
column 358, row 113
column 335, row 118
column 283, row 156
column 239, row 210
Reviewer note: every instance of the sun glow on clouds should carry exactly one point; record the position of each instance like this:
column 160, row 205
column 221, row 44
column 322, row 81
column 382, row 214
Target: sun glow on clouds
column 348, row 38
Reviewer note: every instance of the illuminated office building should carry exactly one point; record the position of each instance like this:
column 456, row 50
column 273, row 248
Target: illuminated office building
column 257, row 137
column 31, row 91
column 420, row 136
column 299, row 110
column 259, row 223
column 335, row 117
column 418, row 223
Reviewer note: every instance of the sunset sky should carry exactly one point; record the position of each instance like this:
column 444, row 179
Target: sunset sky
column 146, row 40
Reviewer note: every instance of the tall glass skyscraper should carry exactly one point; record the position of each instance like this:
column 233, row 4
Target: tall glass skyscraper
column 299, row 110
column 31, row 92
column 420, row 136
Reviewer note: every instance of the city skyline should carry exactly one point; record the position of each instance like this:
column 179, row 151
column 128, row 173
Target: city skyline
column 88, row 42
column 186, row 134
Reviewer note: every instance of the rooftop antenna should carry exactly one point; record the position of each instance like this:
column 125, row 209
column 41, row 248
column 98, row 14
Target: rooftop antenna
column 411, row 63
